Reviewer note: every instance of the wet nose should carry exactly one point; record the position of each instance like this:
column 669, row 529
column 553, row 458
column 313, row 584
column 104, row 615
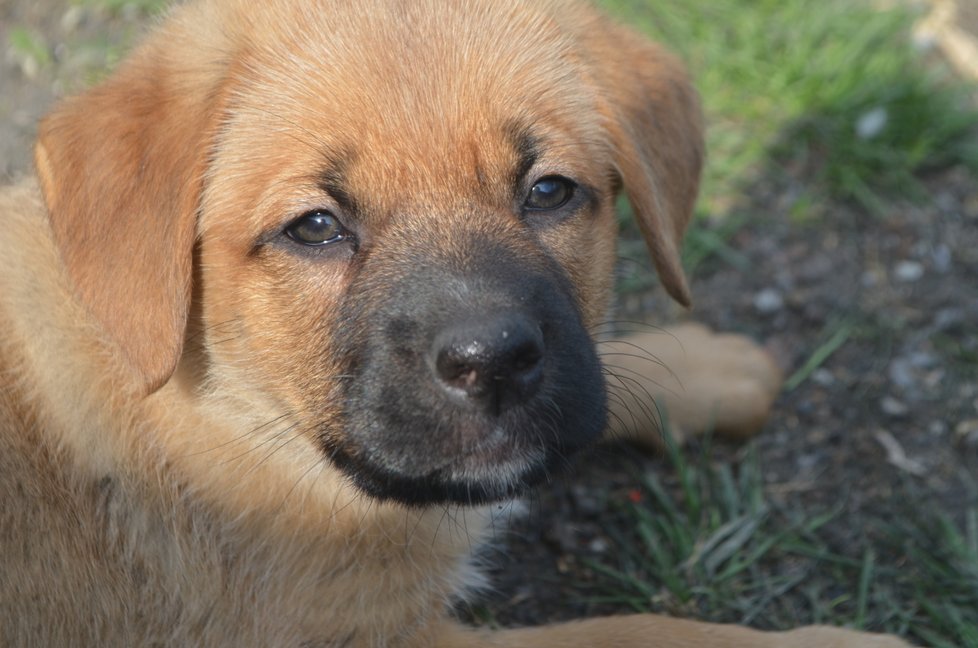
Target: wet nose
column 494, row 363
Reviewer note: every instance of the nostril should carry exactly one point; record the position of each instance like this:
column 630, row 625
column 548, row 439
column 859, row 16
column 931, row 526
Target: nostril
column 458, row 367
column 527, row 357
column 526, row 366
column 494, row 364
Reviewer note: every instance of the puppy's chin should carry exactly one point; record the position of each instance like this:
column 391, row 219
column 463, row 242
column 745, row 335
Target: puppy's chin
column 499, row 471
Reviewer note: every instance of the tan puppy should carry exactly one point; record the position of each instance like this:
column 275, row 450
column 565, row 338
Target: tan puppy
column 303, row 286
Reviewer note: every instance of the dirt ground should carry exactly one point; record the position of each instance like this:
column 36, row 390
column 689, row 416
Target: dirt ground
column 888, row 423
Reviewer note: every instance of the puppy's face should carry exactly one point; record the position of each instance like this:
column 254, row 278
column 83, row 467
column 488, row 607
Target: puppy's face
column 404, row 225
column 420, row 230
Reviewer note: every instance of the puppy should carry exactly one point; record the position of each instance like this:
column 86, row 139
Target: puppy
column 299, row 291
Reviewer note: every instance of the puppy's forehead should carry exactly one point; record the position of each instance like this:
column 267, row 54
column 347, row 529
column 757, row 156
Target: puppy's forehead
column 407, row 92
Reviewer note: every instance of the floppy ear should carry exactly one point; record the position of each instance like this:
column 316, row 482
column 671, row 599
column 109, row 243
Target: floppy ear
column 121, row 169
column 654, row 118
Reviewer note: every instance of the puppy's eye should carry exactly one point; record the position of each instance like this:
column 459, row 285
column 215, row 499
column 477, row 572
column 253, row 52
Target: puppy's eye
column 551, row 192
column 318, row 227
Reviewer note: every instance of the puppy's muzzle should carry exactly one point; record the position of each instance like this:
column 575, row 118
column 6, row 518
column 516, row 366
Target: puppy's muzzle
column 492, row 363
column 469, row 373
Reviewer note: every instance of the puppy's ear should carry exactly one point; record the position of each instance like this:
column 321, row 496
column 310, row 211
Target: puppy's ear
column 121, row 169
column 654, row 117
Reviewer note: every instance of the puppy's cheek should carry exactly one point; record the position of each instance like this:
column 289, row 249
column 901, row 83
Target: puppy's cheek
column 267, row 326
column 585, row 250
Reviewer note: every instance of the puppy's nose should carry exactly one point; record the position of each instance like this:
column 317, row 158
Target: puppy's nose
column 494, row 363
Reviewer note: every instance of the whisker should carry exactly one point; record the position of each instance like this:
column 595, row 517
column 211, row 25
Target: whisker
column 271, row 439
column 640, row 354
column 638, row 376
column 619, row 433
column 277, row 448
column 616, row 324
column 624, row 382
column 241, row 437
column 441, row 520
column 615, row 397
column 318, row 462
column 197, row 334
column 225, row 340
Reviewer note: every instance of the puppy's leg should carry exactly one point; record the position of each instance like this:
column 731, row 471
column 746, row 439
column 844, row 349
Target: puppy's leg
column 690, row 378
column 648, row 630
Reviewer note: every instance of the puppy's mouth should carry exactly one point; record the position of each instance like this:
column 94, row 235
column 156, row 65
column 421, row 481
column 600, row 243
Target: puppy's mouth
column 466, row 400
column 495, row 471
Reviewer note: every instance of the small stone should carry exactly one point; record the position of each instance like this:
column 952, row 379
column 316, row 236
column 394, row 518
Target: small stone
column 967, row 431
column 72, row 18
column 896, row 455
column 893, row 407
column 909, row 271
column 598, row 546
column 823, row 377
column 971, row 207
column 934, row 378
column 871, row 123
column 563, row 535
column 586, row 500
column 901, row 373
column 924, row 40
column 942, row 258
column 870, row 279
column 29, row 67
column 948, row 317
column 946, row 201
column 768, row 301
column 923, row 359
column 807, row 462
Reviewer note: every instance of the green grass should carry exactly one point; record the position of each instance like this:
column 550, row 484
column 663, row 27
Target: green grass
column 785, row 83
column 837, row 334
column 707, row 543
column 29, row 44
column 145, row 7
column 86, row 57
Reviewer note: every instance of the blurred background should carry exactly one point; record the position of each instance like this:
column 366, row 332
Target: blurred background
column 839, row 225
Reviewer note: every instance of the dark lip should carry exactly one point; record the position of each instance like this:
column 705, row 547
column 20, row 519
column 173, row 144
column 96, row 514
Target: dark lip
column 432, row 488
column 436, row 487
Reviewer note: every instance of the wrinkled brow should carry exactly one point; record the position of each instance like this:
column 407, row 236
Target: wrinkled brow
column 527, row 147
column 333, row 179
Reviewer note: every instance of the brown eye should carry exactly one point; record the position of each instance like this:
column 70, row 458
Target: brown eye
column 549, row 193
column 317, row 227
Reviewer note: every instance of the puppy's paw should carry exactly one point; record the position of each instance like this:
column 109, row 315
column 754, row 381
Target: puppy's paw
column 690, row 378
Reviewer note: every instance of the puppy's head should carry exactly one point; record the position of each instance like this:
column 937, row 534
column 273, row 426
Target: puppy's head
column 395, row 221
